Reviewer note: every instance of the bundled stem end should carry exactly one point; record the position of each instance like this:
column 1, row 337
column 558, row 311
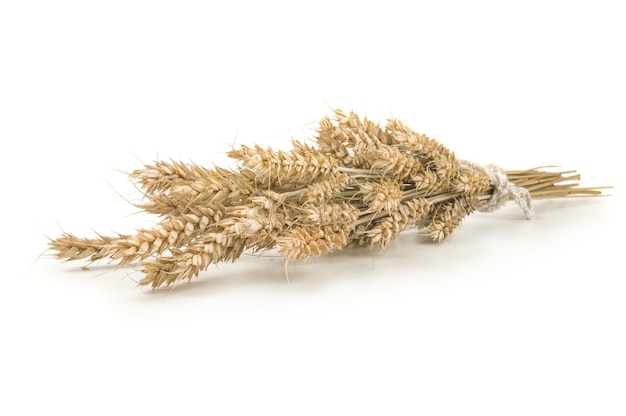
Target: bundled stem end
column 544, row 184
column 362, row 184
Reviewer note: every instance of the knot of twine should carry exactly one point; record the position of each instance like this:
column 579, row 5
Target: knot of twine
column 503, row 190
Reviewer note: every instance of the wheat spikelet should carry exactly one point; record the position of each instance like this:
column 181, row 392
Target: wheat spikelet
column 284, row 167
column 384, row 195
column 446, row 216
column 323, row 191
column 388, row 226
column 162, row 175
column 301, row 243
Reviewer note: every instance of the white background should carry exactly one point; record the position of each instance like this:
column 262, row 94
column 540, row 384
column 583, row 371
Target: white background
column 508, row 317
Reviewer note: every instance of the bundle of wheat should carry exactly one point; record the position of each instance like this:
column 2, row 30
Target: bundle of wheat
column 362, row 185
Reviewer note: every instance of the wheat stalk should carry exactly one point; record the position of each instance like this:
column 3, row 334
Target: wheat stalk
column 361, row 185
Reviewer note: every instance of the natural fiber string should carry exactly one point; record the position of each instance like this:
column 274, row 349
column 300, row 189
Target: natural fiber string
column 503, row 190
